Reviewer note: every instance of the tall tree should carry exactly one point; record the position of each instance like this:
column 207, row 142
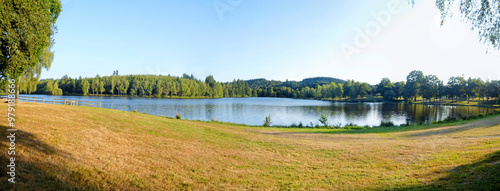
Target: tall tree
column 27, row 29
column 456, row 87
column 429, row 86
column 364, row 89
column 473, row 87
column 412, row 86
column 101, row 87
column 399, row 88
column 85, row 87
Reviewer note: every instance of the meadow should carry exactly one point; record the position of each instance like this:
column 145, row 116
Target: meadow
column 63, row 147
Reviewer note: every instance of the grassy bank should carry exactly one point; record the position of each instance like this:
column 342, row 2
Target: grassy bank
column 65, row 147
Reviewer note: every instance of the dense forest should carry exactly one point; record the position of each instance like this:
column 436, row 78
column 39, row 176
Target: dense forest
column 428, row 87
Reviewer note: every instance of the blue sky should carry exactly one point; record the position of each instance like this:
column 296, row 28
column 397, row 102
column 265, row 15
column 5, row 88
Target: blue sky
column 265, row 39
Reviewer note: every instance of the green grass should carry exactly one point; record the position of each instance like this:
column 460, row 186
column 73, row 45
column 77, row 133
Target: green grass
column 80, row 148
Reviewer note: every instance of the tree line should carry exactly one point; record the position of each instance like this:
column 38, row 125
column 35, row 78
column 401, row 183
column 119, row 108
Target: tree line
column 428, row 87
column 140, row 85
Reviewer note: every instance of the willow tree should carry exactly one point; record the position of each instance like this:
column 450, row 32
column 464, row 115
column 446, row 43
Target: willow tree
column 483, row 16
column 27, row 31
column 29, row 80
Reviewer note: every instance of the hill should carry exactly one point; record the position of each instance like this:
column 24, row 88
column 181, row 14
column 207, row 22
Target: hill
column 70, row 148
column 262, row 83
column 312, row 82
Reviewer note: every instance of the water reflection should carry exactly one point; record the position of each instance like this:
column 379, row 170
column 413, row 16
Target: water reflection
column 284, row 111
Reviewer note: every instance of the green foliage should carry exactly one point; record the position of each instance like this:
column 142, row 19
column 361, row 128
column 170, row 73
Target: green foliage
column 429, row 87
column 178, row 116
column 267, row 121
column 85, row 87
column 323, row 120
column 413, row 82
column 482, row 16
column 27, row 29
column 456, row 86
column 386, row 124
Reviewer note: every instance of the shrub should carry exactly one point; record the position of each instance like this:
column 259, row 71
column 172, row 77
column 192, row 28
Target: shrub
column 300, row 124
column 135, row 111
column 386, row 124
column 267, row 121
column 449, row 119
column 324, row 120
column 354, row 127
column 178, row 116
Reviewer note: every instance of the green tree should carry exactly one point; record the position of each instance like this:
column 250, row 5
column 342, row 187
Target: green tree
column 27, row 29
column 29, row 79
column 101, row 87
column 85, row 87
column 473, row 87
column 399, row 88
column 456, row 87
column 123, row 87
column 210, row 81
column 430, row 86
column 159, row 88
column 55, row 89
column 113, row 84
column 339, row 91
column 493, row 89
column 385, row 87
column 350, row 89
column 364, row 89
column 412, row 86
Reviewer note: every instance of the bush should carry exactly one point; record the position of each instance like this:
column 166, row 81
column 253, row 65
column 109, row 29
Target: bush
column 178, row 116
column 135, row 111
column 386, row 124
column 324, row 120
column 300, row 124
column 449, row 119
column 267, row 121
column 354, row 127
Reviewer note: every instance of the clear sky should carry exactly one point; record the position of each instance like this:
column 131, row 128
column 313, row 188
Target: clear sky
column 273, row 39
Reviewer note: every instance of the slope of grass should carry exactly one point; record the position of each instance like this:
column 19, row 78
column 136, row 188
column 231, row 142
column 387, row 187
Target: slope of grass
column 70, row 148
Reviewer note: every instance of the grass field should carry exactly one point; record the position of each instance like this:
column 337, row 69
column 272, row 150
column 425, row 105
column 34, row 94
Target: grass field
column 70, row 148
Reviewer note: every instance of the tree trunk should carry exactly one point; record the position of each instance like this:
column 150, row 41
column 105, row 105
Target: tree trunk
column 17, row 87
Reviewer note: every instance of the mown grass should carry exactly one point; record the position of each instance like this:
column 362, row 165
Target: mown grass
column 79, row 148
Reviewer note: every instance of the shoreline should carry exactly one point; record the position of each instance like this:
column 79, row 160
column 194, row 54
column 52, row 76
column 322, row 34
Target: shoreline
column 362, row 100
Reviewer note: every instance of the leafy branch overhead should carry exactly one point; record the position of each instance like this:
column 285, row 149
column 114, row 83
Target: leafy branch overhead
column 483, row 16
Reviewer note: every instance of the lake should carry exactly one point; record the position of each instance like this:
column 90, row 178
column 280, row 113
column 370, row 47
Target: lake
column 283, row 111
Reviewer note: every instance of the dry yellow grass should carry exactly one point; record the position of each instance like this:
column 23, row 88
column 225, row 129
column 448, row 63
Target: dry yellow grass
column 67, row 148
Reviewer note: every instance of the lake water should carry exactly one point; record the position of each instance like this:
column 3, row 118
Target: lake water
column 283, row 111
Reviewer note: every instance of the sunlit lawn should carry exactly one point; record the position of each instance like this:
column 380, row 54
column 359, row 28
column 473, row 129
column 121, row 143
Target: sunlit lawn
column 66, row 147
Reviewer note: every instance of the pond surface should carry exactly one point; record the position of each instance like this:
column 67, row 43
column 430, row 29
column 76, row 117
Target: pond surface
column 283, row 111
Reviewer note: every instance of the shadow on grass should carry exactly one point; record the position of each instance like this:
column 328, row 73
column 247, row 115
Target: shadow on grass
column 32, row 173
column 481, row 175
